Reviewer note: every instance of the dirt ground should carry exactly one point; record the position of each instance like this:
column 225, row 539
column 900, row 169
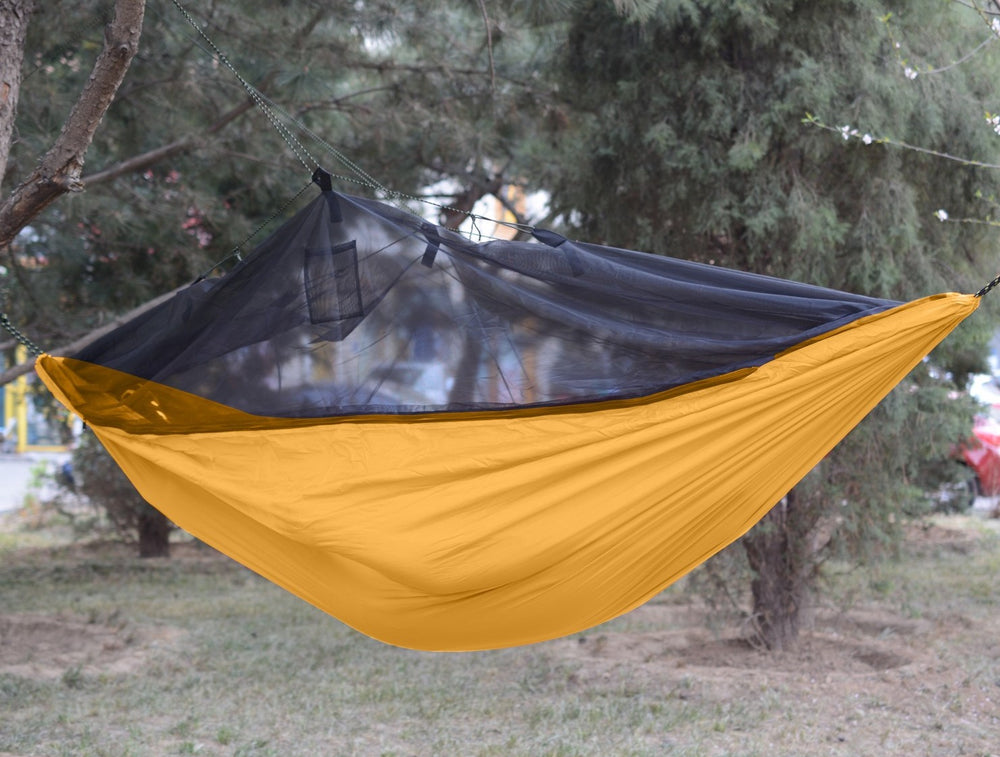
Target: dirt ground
column 44, row 647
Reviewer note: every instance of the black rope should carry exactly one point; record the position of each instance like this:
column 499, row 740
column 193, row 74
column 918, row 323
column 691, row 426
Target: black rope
column 989, row 287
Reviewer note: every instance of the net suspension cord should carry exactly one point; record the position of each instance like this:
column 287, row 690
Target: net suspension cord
column 361, row 177
column 297, row 148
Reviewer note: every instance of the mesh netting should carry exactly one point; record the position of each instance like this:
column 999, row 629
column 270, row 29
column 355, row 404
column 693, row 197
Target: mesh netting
column 354, row 307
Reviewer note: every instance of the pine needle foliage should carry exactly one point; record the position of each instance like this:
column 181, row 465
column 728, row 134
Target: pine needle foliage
column 683, row 133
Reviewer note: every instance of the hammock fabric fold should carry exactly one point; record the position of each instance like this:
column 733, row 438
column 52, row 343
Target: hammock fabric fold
column 458, row 446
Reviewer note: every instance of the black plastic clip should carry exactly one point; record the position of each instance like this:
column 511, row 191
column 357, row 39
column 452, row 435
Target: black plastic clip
column 325, row 182
column 430, row 232
column 556, row 241
column 323, row 179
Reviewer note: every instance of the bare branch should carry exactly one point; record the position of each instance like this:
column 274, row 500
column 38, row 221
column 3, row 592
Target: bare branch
column 16, row 372
column 139, row 162
column 855, row 134
column 147, row 159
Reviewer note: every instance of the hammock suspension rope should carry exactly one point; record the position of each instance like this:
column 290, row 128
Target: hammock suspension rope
column 989, row 287
column 20, row 336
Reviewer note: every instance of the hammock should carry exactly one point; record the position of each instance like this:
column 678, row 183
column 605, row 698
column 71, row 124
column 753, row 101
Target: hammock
column 453, row 445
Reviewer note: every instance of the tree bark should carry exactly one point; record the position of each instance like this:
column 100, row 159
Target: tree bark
column 14, row 17
column 463, row 391
column 59, row 170
column 777, row 553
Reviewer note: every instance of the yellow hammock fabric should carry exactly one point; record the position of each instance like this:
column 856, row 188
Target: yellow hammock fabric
column 461, row 531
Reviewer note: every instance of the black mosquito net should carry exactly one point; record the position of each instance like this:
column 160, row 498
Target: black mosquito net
column 354, row 307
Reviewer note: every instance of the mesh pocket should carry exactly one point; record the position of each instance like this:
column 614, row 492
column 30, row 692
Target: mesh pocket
column 333, row 290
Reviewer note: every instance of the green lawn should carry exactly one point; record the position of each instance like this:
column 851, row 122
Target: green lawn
column 105, row 654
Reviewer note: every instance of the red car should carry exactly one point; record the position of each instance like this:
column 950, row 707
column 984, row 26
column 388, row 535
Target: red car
column 982, row 453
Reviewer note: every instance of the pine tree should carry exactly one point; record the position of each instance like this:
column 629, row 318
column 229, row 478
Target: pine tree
column 684, row 135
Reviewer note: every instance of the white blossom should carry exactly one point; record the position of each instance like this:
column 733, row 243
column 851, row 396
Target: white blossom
column 3, row 270
column 910, row 73
column 995, row 25
column 867, row 139
column 942, row 214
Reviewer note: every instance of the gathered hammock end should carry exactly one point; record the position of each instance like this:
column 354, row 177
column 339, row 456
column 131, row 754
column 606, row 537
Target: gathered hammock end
column 452, row 445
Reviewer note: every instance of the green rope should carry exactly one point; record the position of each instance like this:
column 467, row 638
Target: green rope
column 272, row 111
column 33, row 348
column 297, row 148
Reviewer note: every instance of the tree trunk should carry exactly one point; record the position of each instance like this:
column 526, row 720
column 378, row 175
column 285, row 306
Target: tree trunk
column 154, row 533
column 14, row 17
column 779, row 559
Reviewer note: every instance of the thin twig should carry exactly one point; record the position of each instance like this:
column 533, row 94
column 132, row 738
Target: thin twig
column 489, row 46
column 811, row 120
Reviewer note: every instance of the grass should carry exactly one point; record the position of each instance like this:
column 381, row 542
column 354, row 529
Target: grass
column 202, row 657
